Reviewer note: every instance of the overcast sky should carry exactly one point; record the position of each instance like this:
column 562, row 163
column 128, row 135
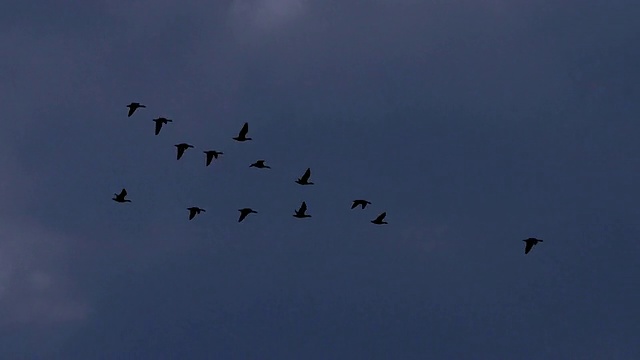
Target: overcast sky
column 473, row 123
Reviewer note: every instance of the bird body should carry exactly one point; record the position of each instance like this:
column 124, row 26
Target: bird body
column 159, row 122
column 530, row 243
column 260, row 165
column 133, row 107
column 193, row 211
column 181, row 148
column 212, row 154
column 121, row 197
column 301, row 213
column 242, row 135
column 380, row 219
column 362, row 203
column 304, row 180
column 244, row 212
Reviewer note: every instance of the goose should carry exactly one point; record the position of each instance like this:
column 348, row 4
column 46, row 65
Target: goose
column 121, row 197
column 159, row 122
column 133, row 107
column 530, row 243
column 212, row 154
column 301, row 213
column 260, row 165
column 193, row 211
column 242, row 135
column 362, row 203
column 181, row 148
column 244, row 212
column 379, row 219
column 304, row 180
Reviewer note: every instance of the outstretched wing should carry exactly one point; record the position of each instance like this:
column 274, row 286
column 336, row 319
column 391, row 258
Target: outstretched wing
column 528, row 247
column 209, row 158
column 192, row 213
column 355, row 203
column 381, row 216
column 158, row 127
column 180, row 152
column 244, row 130
column 303, row 207
column 307, row 175
column 131, row 110
column 123, row 193
column 243, row 214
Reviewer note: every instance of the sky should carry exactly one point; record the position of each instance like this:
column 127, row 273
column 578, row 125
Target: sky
column 473, row 124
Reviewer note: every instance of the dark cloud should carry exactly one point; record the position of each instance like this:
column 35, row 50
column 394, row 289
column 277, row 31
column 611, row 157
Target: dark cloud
column 474, row 124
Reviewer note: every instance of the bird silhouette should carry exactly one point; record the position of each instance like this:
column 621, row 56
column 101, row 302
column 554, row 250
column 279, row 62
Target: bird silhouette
column 242, row 135
column 133, row 107
column 301, row 213
column 159, row 122
column 244, row 212
column 260, row 165
column 304, row 180
column 362, row 203
column 379, row 219
column 212, row 154
column 530, row 243
column 121, row 197
column 181, row 148
column 193, row 211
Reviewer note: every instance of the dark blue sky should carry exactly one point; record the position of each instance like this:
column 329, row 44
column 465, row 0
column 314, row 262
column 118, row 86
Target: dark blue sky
column 474, row 124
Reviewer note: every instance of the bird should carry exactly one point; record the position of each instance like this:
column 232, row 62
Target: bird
column 362, row 203
column 212, row 154
column 530, row 243
column 181, row 148
column 193, row 211
column 133, row 107
column 304, row 180
column 242, row 135
column 379, row 219
column 260, row 165
column 159, row 122
column 300, row 213
column 244, row 212
column 121, row 197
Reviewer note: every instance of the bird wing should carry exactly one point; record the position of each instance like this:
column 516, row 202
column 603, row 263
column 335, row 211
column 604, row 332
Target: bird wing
column 381, row 216
column 244, row 130
column 180, row 152
column 528, row 247
column 123, row 193
column 131, row 110
column 192, row 213
column 355, row 203
column 307, row 175
column 158, row 127
column 243, row 214
column 303, row 207
column 209, row 158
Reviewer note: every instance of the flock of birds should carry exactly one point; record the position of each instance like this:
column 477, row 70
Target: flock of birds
column 260, row 164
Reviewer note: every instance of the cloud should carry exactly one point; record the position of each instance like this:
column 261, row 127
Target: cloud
column 34, row 288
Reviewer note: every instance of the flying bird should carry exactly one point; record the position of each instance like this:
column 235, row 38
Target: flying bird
column 242, row 135
column 121, row 197
column 244, row 212
column 301, row 213
column 212, row 154
column 304, row 180
column 530, row 243
column 379, row 219
column 159, row 122
column 260, row 165
column 362, row 203
column 193, row 211
column 181, row 148
column 133, row 107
